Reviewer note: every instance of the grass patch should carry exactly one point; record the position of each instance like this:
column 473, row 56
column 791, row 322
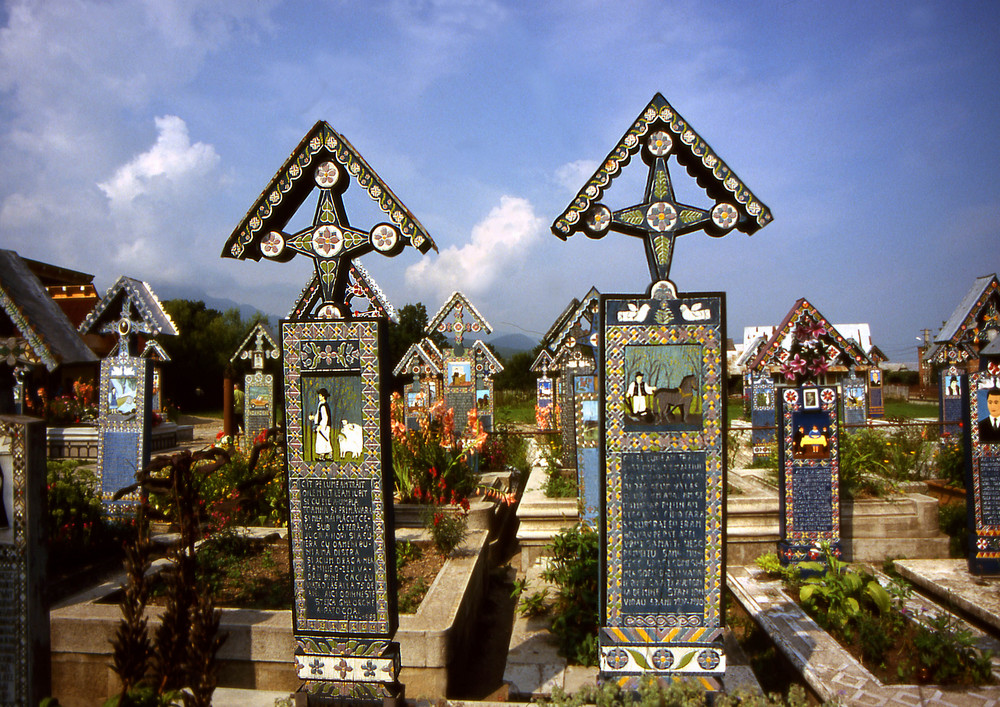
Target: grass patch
column 514, row 406
column 908, row 410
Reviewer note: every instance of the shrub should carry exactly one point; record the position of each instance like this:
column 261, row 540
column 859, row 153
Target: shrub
column 949, row 653
column 573, row 569
column 949, row 460
column 448, row 529
column 75, row 519
column 431, row 463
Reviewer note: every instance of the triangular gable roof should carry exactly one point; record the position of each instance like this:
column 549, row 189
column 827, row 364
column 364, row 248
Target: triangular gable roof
column 417, row 353
column 559, row 323
column 691, row 151
column 962, row 322
column 155, row 352
column 261, row 337
column 768, row 353
column 491, row 360
column 51, row 338
column 992, row 348
column 455, row 304
column 153, row 319
column 752, row 349
column 543, row 362
column 293, row 183
column 360, row 284
column 581, row 316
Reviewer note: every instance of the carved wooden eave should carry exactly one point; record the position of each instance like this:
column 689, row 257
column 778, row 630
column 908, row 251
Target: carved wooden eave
column 492, row 361
column 155, row 352
column 456, row 305
column 582, row 318
column 44, row 333
column 421, row 361
column 974, row 323
column 719, row 181
column 542, row 363
column 360, row 284
column 259, row 338
column 141, row 299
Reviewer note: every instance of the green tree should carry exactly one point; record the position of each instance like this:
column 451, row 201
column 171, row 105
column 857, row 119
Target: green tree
column 516, row 373
column 407, row 331
column 200, row 354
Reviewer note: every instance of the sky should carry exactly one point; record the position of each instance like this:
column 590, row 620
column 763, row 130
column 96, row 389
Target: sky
column 136, row 134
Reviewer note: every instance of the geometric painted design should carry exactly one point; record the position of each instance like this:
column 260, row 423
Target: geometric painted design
column 659, row 132
column 809, row 464
column 663, row 483
column 348, row 668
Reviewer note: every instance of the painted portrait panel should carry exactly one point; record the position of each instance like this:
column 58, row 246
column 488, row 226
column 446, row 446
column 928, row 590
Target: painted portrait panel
column 811, row 434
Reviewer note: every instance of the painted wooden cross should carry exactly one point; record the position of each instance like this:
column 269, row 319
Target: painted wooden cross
column 326, row 161
column 125, row 327
column 659, row 218
column 455, row 307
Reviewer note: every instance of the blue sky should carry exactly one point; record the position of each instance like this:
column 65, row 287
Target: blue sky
column 135, row 135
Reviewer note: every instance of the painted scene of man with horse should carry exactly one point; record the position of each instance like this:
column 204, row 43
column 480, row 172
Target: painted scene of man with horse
column 663, row 387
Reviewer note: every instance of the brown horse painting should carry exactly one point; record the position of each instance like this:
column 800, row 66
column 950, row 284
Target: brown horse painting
column 668, row 402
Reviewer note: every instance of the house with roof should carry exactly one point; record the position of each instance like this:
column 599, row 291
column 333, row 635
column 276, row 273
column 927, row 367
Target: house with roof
column 40, row 349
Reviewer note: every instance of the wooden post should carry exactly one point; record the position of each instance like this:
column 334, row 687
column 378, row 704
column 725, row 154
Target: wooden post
column 228, row 426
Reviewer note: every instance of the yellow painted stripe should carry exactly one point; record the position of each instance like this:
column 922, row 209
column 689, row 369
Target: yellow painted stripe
column 645, row 636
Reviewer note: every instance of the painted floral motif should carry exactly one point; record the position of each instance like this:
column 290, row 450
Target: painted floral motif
column 791, row 396
column 327, row 241
column 326, row 175
column 661, row 216
column 725, row 215
column 660, row 143
column 272, row 244
column 827, row 395
column 617, row 658
column 662, row 659
column 708, row 659
column 599, row 218
column 384, row 237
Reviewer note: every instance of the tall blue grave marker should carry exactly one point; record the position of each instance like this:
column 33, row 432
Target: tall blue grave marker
column 662, row 394
column 339, row 460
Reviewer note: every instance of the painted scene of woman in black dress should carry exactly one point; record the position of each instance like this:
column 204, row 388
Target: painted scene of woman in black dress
column 331, row 419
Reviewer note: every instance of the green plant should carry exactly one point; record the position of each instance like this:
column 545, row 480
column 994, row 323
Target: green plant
column 949, row 653
column 771, row 564
column 431, row 463
column 770, row 461
column 409, row 601
column 863, row 465
column 682, row 693
column 834, row 597
column 949, row 460
column 74, row 506
column 518, row 587
column 534, row 604
column 504, row 448
column 448, row 529
column 405, row 552
column 573, row 569
column 182, row 652
column 954, row 523
column 556, row 484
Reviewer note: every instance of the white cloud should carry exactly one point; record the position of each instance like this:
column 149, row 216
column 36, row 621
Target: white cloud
column 173, row 159
column 499, row 241
column 573, row 175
